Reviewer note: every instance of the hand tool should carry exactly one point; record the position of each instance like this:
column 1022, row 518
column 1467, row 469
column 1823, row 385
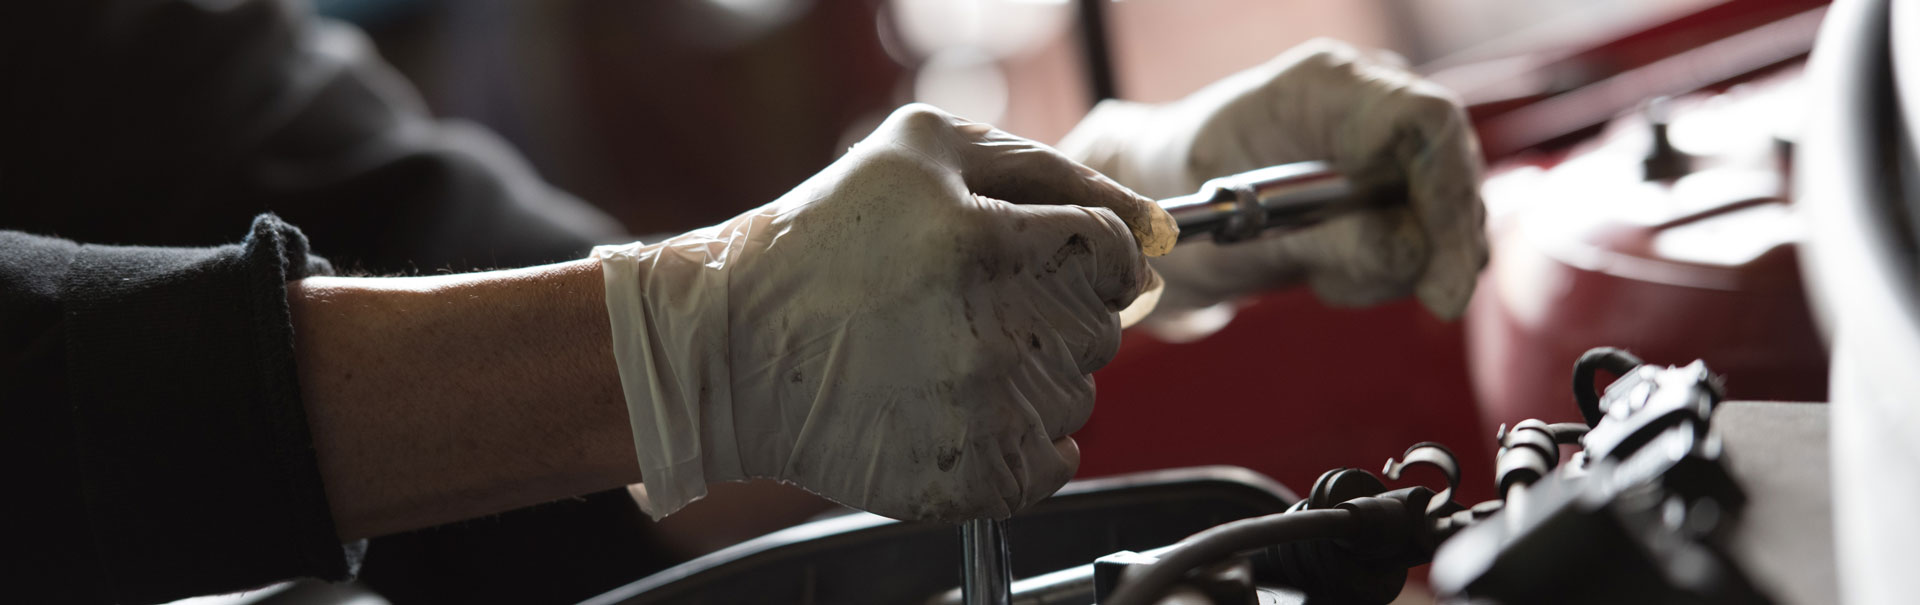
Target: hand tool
column 1230, row 209
column 986, row 576
column 1242, row 206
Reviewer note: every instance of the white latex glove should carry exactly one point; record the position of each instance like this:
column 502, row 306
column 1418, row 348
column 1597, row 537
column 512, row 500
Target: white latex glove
column 909, row 332
column 1323, row 100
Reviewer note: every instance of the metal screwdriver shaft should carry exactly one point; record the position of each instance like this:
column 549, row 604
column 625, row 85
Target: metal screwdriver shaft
column 986, row 576
column 1241, row 206
column 1228, row 209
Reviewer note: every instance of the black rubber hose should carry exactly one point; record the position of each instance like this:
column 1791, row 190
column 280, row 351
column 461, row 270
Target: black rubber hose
column 1617, row 361
column 1216, row 544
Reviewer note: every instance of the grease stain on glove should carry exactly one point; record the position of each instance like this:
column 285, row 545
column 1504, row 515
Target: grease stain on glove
column 909, row 332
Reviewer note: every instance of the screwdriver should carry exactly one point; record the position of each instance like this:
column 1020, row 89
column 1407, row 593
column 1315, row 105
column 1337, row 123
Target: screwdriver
column 1229, row 209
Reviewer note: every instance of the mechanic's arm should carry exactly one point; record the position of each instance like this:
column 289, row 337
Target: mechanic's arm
column 1385, row 128
column 436, row 399
column 150, row 416
column 910, row 347
column 911, row 332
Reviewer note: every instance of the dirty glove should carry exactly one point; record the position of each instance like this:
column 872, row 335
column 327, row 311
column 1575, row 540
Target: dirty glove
column 909, row 332
column 1383, row 127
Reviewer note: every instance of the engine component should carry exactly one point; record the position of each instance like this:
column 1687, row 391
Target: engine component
column 1644, row 503
column 1230, row 209
column 861, row 558
column 1644, row 513
column 1639, row 515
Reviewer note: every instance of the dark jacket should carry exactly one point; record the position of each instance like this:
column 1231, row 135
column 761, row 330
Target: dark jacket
column 153, row 436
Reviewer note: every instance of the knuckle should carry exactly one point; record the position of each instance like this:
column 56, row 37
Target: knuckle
column 1044, row 484
column 1112, row 221
column 903, row 175
column 1079, row 408
column 895, row 162
column 1431, row 104
column 1113, row 239
column 921, row 118
column 1325, row 54
column 1101, row 350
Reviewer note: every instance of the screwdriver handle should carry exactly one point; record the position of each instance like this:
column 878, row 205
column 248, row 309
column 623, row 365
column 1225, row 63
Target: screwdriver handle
column 1242, row 206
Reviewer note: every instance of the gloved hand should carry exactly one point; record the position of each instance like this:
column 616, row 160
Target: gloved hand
column 909, row 332
column 1380, row 125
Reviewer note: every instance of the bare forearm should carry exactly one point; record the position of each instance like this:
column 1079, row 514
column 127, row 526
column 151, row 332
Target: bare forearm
column 435, row 399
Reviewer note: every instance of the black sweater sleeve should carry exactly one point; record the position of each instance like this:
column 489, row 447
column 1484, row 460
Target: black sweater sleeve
column 174, row 123
column 154, row 435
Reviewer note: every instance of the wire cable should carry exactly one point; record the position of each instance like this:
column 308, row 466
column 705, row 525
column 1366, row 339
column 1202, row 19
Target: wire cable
column 1220, row 542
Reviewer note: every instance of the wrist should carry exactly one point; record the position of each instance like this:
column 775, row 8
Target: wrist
column 666, row 307
column 439, row 398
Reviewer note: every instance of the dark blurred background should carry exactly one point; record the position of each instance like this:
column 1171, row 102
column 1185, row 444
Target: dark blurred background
column 674, row 114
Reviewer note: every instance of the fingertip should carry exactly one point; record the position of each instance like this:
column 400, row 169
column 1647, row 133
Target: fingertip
column 1161, row 230
column 1064, row 463
column 1154, row 230
column 1448, row 286
column 1389, row 59
column 1069, row 451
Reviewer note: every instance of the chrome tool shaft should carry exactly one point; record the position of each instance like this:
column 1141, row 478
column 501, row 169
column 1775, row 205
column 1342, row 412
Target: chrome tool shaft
column 1242, row 206
column 986, row 576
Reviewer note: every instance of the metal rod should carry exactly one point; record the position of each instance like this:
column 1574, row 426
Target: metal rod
column 1231, row 208
column 986, row 576
column 1095, row 50
column 1287, row 196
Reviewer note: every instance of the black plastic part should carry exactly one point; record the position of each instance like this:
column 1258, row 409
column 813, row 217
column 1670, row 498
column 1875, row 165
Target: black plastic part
column 1230, row 581
column 1382, row 534
column 1108, row 570
column 881, row 561
column 1635, row 518
column 1367, row 568
column 1518, row 467
column 1339, row 485
column 1646, row 401
column 1438, row 456
column 1583, row 541
column 1617, row 361
column 1567, row 433
column 1528, row 451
